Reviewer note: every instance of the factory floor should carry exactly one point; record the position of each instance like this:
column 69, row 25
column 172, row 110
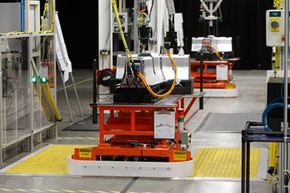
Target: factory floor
column 251, row 100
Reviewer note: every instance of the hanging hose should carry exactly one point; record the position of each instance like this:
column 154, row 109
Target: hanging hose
column 172, row 86
column 267, row 110
column 121, row 30
column 140, row 75
column 47, row 7
column 216, row 53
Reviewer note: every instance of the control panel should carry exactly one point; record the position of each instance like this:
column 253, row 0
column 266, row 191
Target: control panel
column 124, row 21
column 275, row 34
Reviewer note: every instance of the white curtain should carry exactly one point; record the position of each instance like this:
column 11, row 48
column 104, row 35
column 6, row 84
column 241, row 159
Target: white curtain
column 61, row 51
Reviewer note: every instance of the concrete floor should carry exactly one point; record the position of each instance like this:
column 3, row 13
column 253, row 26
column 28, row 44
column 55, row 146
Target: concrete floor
column 252, row 92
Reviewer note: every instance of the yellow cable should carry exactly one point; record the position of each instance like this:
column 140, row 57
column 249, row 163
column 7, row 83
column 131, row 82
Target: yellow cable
column 52, row 18
column 143, row 79
column 121, row 30
column 216, row 53
column 45, row 11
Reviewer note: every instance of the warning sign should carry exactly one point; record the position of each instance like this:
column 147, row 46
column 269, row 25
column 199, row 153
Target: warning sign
column 180, row 155
column 85, row 152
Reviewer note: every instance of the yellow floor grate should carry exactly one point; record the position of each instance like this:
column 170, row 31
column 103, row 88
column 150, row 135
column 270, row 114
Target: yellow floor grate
column 208, row 162
column 223, row 162
column 51, row 161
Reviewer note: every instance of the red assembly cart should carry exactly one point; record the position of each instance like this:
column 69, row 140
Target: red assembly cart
column 130, row 137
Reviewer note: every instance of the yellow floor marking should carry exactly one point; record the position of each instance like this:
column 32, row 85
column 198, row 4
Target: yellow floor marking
column 52, row 160
column 223, row 163
column 84, row 191
column 98, row 191
column 51, row 190
column 36, row 190
column 78, row 83
column 115, row 192
column 69, row 191
column 21, row 190
column 6, row 190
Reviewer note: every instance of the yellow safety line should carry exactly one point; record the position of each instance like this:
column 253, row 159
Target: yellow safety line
column 78, row 83
column 36, row 190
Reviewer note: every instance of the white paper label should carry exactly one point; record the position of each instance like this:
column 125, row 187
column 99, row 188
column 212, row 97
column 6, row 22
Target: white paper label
column 164, row 124
column 222, row 72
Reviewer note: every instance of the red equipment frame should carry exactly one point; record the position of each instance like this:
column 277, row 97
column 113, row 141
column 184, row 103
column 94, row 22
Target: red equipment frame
column 209, row 77
column 129, row 124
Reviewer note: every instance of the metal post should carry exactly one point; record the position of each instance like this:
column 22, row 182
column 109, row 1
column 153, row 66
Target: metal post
column 29, row 56
column 1, row 113
column 136, row 13
column 54, row 71
column 111, row 30
column 56, row 131
column 76, row 93
column 285, row 141
column 65, row 93
column 16, row 111
column 55, row 62
column 201, row 83
column 120, row 6
column 95, row 92
column 280, row 169
column 248, row 166
column 243, row 164
column 95, row 63
column 211, row 14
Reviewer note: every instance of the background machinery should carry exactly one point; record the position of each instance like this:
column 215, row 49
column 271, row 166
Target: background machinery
column 213, row 56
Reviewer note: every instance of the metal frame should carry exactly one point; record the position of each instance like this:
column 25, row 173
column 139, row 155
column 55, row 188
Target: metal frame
column 284, row 169
column 254, row 132
column 29, row 136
